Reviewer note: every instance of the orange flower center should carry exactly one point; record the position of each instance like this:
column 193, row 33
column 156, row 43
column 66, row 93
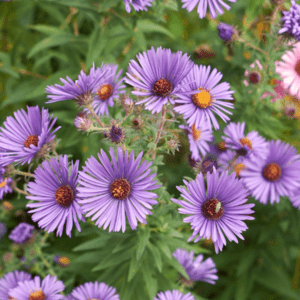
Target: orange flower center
column 245, row 141
column 297, row 67
column 3, row 183
column 64, row 261
column 162, row 87
column 202, row 99
column 212, row 209
column 120, row 189
column 272, row 172
column 195, row 133
column 222, row 146
column 31, row 140
column 37, row 295
column 105, row 91
column 64, row 195
column 238, row 168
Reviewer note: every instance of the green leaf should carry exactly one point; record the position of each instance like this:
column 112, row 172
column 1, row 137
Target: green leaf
column 89, row 257
column 176, row 265
column 147, row 26
column 164, row 248
column 54, row 40
column 150, row 282
column 156, row 256
column 93, row 244
column 141, row 40
column 143, row 238
column 134, row 267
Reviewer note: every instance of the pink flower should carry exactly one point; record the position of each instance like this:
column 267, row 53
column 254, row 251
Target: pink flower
column 289, row 70
column 279, row 90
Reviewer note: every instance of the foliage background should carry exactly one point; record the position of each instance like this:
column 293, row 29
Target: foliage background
column 44, row 40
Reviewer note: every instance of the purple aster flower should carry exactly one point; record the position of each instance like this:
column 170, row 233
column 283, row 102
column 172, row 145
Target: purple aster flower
column 25, row 135
column 116, row 134
column 3, row 230
column 198, row 139
column 56, row 194
column 111, row 192
column 197, row 270
column 291, row 21
column 81, row 90
column 10, row 281
column 213, row 5
column 21, row 233
column 48, row 289
column 69, row 297
column 137, row 4
column 108, row 88
column 173, row 295
column 158, row 77
column 95, row 290
column 249, row 146
column 199, row 108
column 5, row 186
column 277, row 175
column 220, row 209
column 225, row 31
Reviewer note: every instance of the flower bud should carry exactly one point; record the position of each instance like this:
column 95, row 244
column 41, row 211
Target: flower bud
column 116, row 134
column 225, row 31
column 204, row 52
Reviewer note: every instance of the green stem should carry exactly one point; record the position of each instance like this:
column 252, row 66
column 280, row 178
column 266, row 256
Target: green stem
column 90, row 108
column 232, row 162
column 126, row 116
column 252, row 46
column 21, row 191
column 26, row 174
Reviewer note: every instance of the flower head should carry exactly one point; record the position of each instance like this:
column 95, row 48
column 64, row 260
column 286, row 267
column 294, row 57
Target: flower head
column 197, row 270
column 198, row 139
column 276, row 175
column 25, row 135
column 291, row 21
column 213, row 5
column 10, row 281
column 159, row 76
column 49, row 288
column 253, row 76
column 204, row 52
column 109, row 193
column 21, row 233
column 82, row 122
column 3, row 230
column 116, row 134
column 95, row 290
column 250, row 146
column 225, row 31
column 137, row 4
column 200, row 106
column 220, row 209
column 289, row 70
column 56, row 195
column 5, row 186
column 81, row 90
column 279, row 90
column 295, row 198
column 173, row 295
column 107, row 89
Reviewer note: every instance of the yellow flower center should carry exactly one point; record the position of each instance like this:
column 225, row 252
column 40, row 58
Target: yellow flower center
column 272, row 172
column 37, row 295
column 105, row 91
column 245, row 141
column 195, row 133
column 120, row 189
column 202, row 99
column 238, row 167
column 64, row 261
column 3, row 183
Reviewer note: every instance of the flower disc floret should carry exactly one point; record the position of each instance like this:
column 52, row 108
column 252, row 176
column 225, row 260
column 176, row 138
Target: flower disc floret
column 110, row 190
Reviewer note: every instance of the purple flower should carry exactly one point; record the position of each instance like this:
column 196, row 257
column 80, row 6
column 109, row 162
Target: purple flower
column 174, row 295
column 116, row 134
column 25, row 135
column 199, row 107
column 220, row 209
column 56, row 194
column 137, row 4
column 208, row 163
column 81, row 90
column 95, row 290
column 291, row 21
column 48, row 289
column 21, row 233
column 107, row 89
column 249, row 146
column 5, row 186
column 225, row 31
column 198, row 139
column 111, row 192
column 82, row 122
column 158, row 77
column 277, row 175
column 214, row 5
column 197, row 270
column 10, row 281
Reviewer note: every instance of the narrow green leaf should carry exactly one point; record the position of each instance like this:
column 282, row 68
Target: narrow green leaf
column 93, row 244
column 176, row 265
column 150, row 282
column 156, row 255
column 164, row 248
column 148, row 26
column 141, row 40
column 143, row 238
column 89, row 257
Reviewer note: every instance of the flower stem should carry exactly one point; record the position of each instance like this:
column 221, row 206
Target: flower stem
column 90, row 108
column 126, row 116
column 296, row 275
column 252, row 46
column 21, row 191
column 26, row 174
